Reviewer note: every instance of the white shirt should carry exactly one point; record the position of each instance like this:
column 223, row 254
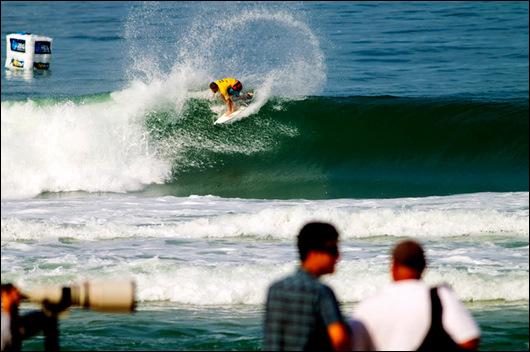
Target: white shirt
column 6, row 331
column 399, row 316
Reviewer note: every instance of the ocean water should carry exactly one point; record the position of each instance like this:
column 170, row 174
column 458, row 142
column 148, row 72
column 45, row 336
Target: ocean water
column 389, row 119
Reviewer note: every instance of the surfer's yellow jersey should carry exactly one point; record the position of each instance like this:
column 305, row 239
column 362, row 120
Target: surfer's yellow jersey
column 224, row 84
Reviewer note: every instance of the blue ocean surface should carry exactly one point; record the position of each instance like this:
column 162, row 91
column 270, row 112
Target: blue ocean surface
column 390, row 120
column 410, row 49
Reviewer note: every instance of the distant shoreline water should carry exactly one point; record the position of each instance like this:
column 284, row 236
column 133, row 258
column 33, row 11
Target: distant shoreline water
column 168, row 327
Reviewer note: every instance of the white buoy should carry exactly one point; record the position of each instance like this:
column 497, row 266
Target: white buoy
column 26, row 51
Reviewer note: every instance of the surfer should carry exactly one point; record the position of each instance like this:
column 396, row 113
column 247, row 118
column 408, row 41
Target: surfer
column 228, row 88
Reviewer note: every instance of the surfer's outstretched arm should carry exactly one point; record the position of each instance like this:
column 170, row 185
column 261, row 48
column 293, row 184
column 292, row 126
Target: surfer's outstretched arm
column 246, row 96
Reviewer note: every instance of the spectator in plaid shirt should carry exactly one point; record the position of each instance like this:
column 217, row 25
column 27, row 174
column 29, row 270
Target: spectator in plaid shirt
column 301, row 313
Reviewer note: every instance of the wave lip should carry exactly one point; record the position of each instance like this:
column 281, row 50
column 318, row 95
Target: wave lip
column 65, row 146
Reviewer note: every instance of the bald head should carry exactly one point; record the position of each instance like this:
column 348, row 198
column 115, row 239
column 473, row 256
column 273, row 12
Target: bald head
column 408, row 260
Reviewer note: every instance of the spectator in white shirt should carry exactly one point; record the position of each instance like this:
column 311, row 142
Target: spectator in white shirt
column 409, row 315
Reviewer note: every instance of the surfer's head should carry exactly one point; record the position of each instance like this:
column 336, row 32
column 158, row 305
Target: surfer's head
column 214, row 87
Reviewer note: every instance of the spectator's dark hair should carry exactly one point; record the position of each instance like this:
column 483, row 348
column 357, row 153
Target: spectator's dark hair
column 7, row 287
column 410, row 254
column 314, row 236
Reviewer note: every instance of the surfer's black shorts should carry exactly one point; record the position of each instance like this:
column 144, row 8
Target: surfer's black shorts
column 235, row 89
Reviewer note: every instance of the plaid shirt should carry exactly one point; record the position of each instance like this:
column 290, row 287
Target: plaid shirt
column 298, row 311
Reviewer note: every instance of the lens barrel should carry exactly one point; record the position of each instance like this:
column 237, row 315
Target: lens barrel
column 104, row 296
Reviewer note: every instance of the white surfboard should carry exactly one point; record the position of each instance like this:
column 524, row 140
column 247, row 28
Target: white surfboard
column 228, row 118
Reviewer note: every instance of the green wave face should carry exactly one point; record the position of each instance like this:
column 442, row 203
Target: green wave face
column 345, row 148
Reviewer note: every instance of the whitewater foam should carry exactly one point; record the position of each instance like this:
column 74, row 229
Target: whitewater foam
column 484, row 214
column 67, row 147
column 214, row 251
column 229, row 284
